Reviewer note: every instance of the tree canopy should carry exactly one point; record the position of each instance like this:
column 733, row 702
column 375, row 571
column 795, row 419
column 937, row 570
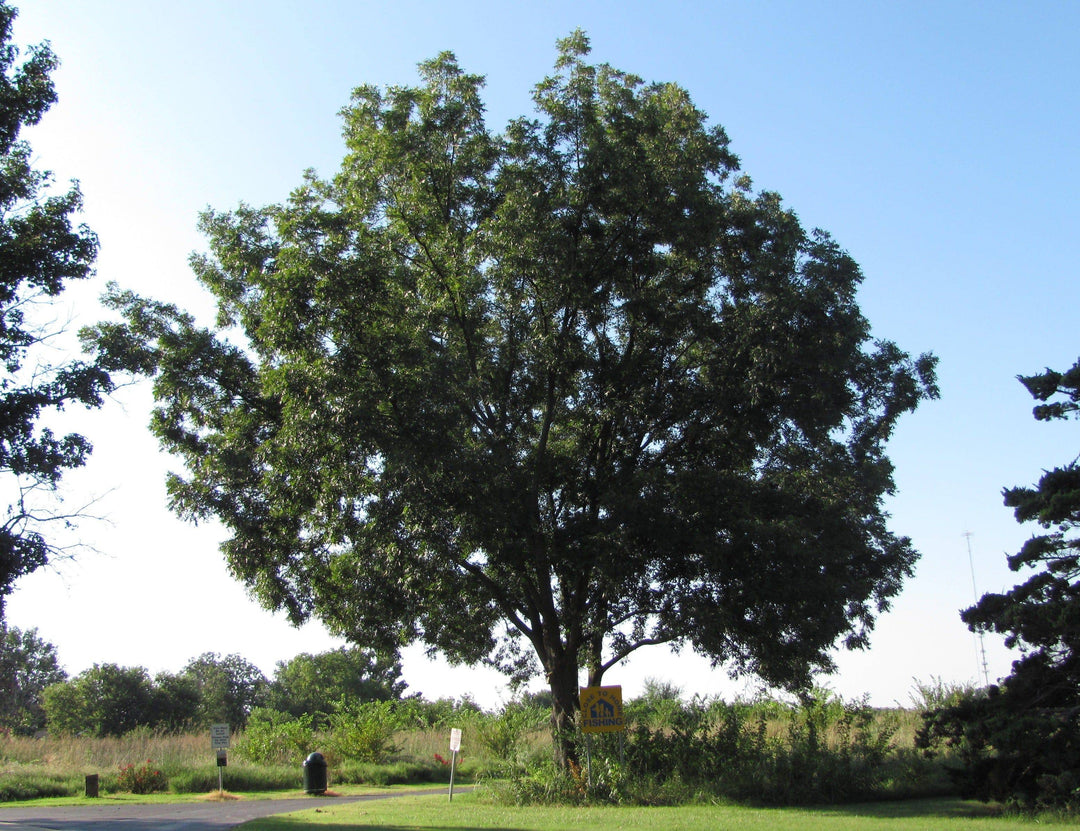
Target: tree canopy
column 28, row 665
column 1023, row 740
column 104, row 700
column 538, row 398
column 227, row 688
column 40, row 252
column 312, row 684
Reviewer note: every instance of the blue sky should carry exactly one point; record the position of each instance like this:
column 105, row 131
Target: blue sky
column 935, row 141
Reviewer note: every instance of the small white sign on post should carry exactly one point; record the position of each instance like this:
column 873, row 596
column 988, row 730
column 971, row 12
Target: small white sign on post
column 219, row 742
column 219, row 737
column 455, row 748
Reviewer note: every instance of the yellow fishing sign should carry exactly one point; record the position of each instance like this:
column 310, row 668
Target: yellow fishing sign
column 601, row 710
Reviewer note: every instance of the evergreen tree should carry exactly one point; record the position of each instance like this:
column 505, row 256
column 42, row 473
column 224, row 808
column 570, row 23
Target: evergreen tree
column 1021, row 741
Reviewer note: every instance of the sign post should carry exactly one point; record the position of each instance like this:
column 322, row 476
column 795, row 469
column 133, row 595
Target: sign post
column 219, row 742
column 455, row 746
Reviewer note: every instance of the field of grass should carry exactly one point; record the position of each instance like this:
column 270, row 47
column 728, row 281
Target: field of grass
column 57, row 766
column 471, row 813
column 676, row 752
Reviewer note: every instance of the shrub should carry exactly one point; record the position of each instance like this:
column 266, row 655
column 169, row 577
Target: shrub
column 937, row 694
column 363, row 732
column 443, row 713
column 504, row 735
column 141, row 780
column 274, row 737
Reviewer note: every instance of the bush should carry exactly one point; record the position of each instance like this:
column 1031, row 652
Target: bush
column 936, row 694
column 443, row 713
column 503, row 736
column 363, row 732
column 998, row 747
column 141, row 780
column 274, row 737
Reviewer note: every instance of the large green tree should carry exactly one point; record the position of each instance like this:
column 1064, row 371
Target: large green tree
column 104, row 700
column 540, row 397
column 1022, row 742
column 28, row 665
column 227, row 687
column 312, row 684
column 40, row 252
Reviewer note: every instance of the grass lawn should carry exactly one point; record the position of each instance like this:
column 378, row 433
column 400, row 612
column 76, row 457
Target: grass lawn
column 470, row 814
column 167, row 798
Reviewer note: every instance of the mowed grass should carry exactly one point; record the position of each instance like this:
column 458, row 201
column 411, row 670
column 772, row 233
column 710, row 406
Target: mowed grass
column 471, row 813
column 122, row 798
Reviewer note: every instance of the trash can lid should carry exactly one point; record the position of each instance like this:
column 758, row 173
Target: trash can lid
column 315, row 757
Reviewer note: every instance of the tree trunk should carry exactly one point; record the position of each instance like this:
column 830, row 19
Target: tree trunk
column 596, row 667
column 565, row 703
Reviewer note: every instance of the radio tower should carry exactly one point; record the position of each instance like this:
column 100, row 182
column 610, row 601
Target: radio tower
column 980, row 642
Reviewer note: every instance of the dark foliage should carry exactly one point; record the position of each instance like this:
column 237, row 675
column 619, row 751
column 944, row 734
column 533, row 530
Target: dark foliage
column 1021, row 741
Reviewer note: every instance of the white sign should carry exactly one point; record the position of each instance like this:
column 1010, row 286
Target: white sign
column 455, row 740
column 219, row 737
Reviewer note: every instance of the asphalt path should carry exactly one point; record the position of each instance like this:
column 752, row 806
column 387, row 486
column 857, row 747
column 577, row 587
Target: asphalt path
column 183, row 816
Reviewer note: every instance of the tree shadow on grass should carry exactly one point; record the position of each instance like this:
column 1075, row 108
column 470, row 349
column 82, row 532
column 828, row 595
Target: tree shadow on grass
column 941, row 807
column 378, row 826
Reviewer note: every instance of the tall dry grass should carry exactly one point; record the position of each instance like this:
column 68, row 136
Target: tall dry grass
column 79, row 754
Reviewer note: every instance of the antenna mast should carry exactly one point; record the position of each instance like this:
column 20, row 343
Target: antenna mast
column 980, row 642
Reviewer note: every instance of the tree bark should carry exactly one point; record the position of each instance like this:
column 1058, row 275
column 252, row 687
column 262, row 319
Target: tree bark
column 563, row 680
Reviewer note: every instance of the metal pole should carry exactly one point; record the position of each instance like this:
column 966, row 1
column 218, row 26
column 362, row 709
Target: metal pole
column 453, row 764
column 980, row 647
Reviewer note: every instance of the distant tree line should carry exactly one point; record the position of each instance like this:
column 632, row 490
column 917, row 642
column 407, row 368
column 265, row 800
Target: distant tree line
column 28, row 665
column 107, row 699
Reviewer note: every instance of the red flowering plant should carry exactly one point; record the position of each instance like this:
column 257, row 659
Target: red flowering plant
column 140, row 780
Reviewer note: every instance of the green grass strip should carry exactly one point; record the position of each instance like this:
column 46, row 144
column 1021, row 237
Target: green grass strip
column 469, row 813
column 175, row 798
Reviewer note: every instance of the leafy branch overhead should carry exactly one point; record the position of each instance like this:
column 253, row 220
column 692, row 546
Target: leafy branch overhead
column 544, row 396
column 41, row 251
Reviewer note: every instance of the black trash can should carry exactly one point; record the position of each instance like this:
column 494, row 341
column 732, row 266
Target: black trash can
column 315, row 774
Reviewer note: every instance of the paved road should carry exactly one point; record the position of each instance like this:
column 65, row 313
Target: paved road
column 187, row 816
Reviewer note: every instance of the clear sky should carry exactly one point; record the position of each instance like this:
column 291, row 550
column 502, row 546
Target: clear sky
column 936, row 141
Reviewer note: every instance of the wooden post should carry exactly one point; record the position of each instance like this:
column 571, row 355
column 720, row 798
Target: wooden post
column 92, row 785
